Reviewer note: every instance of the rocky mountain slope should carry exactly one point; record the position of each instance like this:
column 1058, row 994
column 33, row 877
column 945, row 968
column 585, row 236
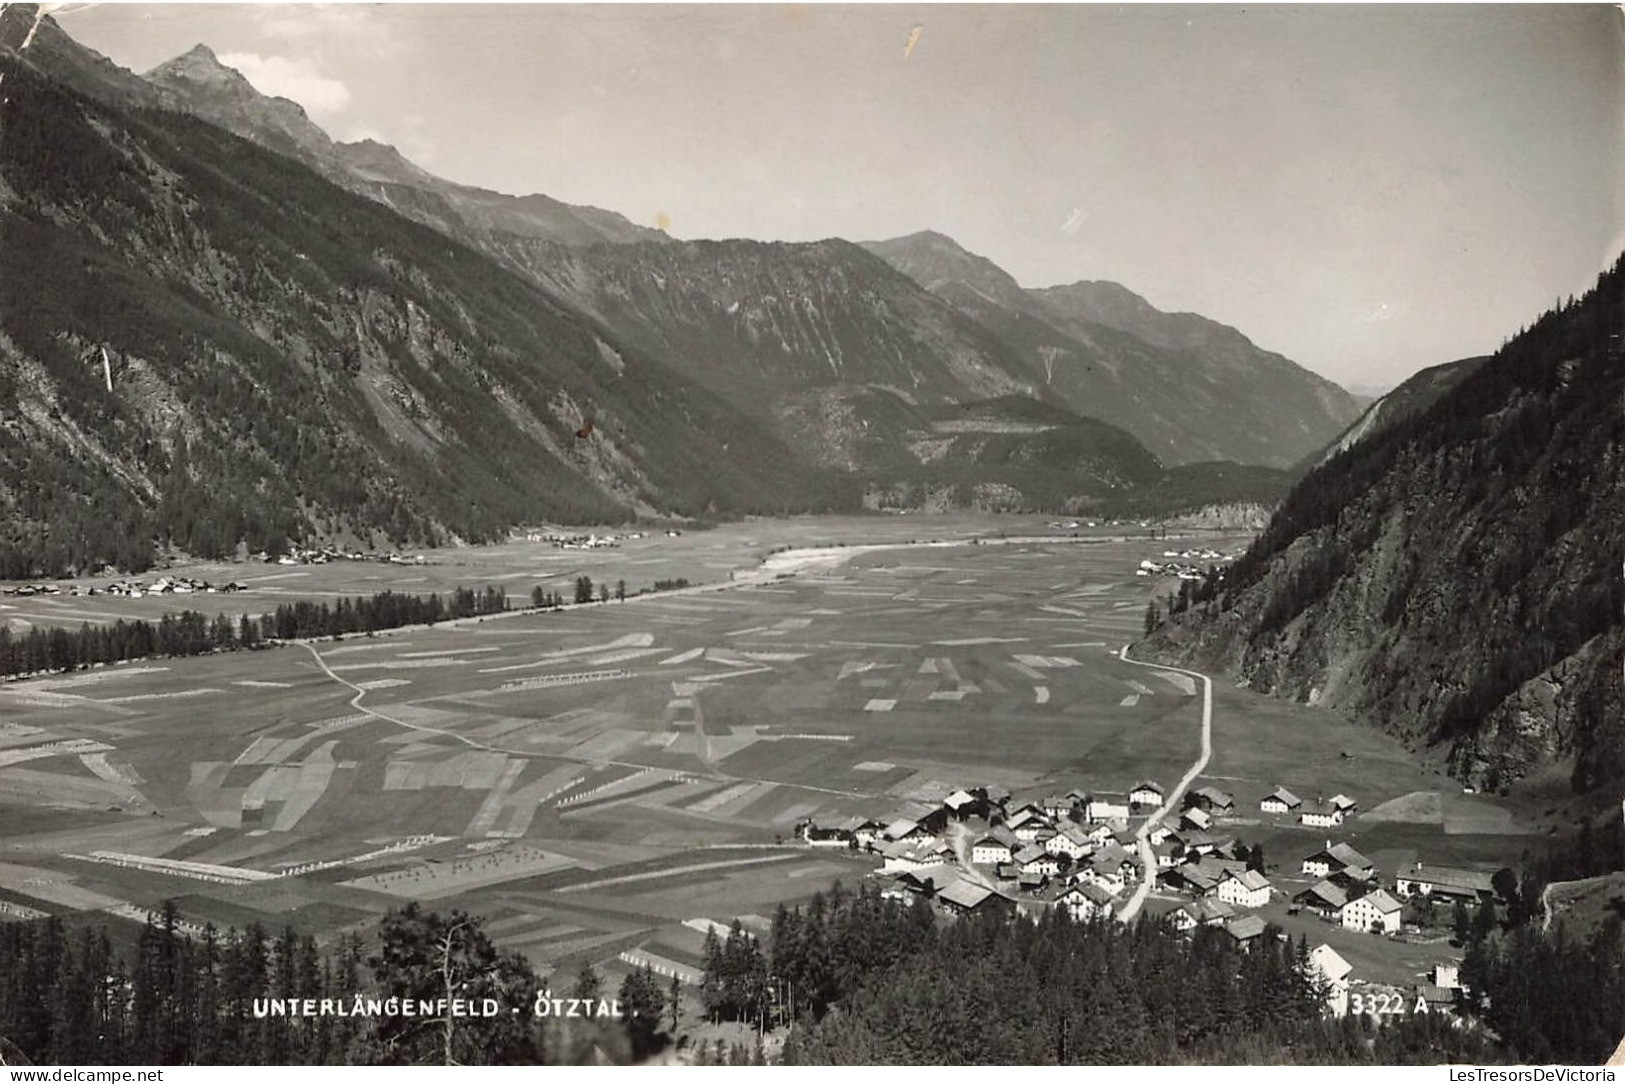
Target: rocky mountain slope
column 1457, row 576
column 822, row 339
column 1191, row 389
column 857, row 367
column 207, row 343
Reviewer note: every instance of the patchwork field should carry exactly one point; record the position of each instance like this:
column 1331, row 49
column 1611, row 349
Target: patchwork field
column 591, row 780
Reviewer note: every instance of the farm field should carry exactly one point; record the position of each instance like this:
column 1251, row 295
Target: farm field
column 593, row 781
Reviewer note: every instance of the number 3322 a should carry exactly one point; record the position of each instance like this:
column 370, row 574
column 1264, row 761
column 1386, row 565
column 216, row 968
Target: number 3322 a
column 1384, row 1004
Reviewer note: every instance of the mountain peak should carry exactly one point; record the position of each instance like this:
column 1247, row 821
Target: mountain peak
column 198, row 82
column 1105, row 294
column 199, row 64
column 931, row 237
column 937, row 262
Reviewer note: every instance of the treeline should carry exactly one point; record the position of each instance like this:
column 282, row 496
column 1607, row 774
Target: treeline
column 872, row 981
column 1189, row 593
column 1549, row 996
column 55, row 650
column 210, row 998
column 1592, row 851
column 385, row 610
column 192, row 633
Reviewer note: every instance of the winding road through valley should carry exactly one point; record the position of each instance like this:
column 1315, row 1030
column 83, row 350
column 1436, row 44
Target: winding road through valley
column 1148, row 860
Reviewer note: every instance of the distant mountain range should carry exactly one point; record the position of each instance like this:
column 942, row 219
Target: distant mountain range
column 1189, row 388
column 295, row 351
column 1453, row 570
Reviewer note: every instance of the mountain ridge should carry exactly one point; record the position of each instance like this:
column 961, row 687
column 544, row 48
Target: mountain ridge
column 497, row 224
column 1413, row 395
column 1190, row 388
column 198, row 82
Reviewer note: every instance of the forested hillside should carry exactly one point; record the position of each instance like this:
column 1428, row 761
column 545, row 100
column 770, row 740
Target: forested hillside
column 1418, row 392
column 1457, row 577
column 870, row 981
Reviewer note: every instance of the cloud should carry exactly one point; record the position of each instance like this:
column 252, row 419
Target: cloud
column 301, row 21
column 351, row 28
column 1074, row 221
column 298, row 79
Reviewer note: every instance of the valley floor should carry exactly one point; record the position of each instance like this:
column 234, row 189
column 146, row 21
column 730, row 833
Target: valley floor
column 603, row 782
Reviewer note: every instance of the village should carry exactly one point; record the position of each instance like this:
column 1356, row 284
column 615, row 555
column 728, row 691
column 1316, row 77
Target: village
column 128, row 588
column 571, row 540
column 1181, row 563
column 321, row 555
column 982, row 849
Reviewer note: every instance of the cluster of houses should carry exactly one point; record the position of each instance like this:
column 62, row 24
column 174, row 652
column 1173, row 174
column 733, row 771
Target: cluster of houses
column 165, row 585
column 978, row 848
column 1321, row 813
column 301, row 555
column 579, row 541
column 1150, row 567
column 575, row 541
column 29, row 590
column 1350, row 893
column 1181, row 563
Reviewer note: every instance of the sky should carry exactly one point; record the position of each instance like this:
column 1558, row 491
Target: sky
column 1368, row 190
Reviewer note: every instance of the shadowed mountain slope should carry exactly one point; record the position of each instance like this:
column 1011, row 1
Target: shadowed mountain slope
column 1456, row 576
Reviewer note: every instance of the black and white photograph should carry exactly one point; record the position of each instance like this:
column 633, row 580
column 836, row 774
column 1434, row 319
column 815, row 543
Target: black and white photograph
column 774, row 535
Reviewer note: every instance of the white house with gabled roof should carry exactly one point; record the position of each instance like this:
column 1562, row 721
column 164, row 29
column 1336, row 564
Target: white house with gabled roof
column 1374, row 912
column 1249, row 888
column 1070, row 841
column 1279, row 801
column 1333, row 972
column 1102, row 807
column 1334, row 858
column 1145, row 793
column 989, row 851
column 1085, row 900
column 1321, row 815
